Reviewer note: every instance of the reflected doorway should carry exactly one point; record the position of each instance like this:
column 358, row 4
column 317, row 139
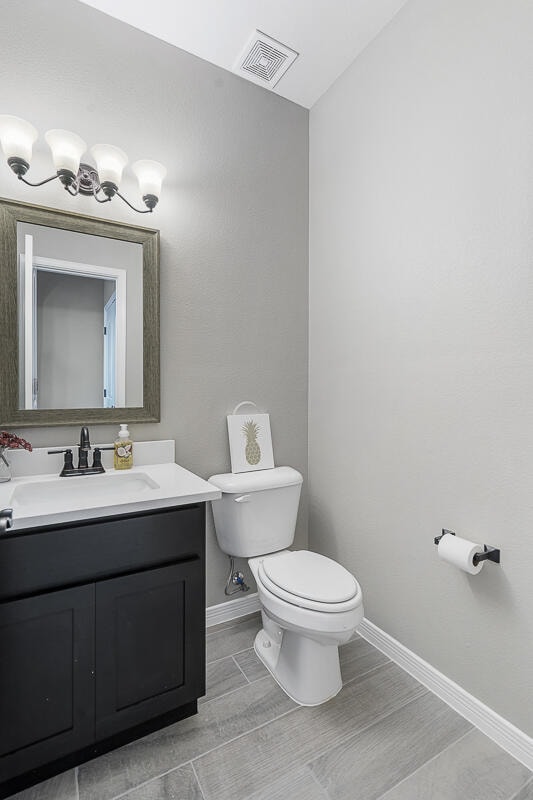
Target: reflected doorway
column 74, row 334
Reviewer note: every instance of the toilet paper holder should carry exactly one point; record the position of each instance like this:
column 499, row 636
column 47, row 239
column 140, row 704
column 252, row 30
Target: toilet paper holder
column 490, row 554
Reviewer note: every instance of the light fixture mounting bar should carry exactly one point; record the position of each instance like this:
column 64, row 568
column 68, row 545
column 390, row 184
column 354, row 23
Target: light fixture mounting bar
column 86, row 182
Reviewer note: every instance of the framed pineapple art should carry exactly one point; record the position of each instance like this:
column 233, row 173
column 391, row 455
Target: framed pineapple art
column 250, row 441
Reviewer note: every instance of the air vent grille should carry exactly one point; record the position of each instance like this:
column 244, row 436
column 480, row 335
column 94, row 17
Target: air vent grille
column 264, row 60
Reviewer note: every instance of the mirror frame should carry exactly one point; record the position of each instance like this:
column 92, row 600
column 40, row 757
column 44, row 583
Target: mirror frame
column 11, row 212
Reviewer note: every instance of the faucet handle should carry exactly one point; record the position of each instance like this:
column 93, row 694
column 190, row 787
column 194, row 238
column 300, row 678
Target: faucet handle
column 97, row 456
column 67, row 463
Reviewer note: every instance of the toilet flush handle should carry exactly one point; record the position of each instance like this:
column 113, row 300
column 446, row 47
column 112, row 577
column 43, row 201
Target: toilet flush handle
column 243, row 498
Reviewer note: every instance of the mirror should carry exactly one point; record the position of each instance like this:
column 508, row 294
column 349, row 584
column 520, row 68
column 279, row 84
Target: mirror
column 79, row 319
column 80, row 330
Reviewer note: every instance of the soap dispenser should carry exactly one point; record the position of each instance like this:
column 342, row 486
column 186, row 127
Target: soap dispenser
column 123, row 449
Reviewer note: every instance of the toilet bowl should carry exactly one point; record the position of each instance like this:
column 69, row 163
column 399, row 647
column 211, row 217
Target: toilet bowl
column 310, row 604
column 300, row 637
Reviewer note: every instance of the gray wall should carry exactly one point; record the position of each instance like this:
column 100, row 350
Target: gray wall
column 233, row 218
column 421, row 320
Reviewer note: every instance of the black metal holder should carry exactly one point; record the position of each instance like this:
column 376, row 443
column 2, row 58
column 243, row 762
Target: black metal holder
column 489, row 554
column 444, row 532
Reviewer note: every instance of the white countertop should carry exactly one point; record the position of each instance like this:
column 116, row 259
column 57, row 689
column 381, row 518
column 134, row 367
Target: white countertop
column 47, row 499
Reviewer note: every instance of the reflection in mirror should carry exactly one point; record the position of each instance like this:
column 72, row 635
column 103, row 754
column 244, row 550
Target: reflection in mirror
column 80, row 325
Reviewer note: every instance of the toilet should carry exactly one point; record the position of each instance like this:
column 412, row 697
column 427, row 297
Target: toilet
column 310, row 604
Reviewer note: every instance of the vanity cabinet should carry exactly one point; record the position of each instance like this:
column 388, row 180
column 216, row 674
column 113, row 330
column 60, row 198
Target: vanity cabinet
column 102, row 637
column 46, row 677
column 145, row 663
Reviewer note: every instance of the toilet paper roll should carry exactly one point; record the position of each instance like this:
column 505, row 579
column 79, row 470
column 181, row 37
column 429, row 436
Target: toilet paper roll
column 460, row 553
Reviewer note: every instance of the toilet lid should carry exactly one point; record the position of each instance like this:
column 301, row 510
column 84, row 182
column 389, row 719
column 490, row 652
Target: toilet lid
column 310, row 576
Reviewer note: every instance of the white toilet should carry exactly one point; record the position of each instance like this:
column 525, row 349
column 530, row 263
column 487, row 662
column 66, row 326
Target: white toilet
column 309, row 603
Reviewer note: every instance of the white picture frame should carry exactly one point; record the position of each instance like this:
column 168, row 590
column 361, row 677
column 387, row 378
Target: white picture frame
column 250, row 442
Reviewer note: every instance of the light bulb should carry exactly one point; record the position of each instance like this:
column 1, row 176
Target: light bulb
column 67, row 149
column 17, row 137
column 150, row 175
column 110, row 162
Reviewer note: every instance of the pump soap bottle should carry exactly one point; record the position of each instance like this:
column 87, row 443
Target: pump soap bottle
column 123, row 449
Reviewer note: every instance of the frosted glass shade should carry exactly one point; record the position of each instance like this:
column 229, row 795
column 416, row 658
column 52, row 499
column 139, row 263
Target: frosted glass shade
column 110, row 162
column 67, row 149
column 150, row 175
column 17, row 137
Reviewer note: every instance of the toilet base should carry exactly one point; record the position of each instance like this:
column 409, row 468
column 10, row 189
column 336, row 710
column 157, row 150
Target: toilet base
column 307, row 671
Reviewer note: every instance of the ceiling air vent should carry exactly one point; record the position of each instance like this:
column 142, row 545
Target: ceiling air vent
column 264, row 60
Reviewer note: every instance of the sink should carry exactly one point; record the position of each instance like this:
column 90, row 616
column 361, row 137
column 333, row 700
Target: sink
column 36, row 497
column 42, row 499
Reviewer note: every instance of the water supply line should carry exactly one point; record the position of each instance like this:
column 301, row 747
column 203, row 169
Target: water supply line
column 235, row 579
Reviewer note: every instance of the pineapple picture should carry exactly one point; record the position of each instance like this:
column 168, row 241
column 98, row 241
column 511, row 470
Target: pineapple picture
column 252, row 451
column 250, row 442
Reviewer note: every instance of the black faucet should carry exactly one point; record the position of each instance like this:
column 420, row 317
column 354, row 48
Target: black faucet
column 84, row 448
column 83, row 467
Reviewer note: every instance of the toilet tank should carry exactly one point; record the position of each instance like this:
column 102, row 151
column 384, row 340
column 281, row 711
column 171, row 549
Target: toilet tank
column 257, row 512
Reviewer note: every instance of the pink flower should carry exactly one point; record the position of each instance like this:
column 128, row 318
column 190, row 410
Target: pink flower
column 12, row 442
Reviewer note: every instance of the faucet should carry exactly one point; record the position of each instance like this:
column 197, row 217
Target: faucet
column 84, row 448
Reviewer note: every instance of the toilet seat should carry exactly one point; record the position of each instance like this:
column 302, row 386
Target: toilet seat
column 309, row 580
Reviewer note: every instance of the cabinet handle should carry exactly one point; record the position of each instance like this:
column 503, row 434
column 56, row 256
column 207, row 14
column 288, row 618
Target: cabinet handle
column 6, row 519
column 243, row 498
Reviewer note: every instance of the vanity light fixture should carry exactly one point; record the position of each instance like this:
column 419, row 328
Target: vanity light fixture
column 17, row 138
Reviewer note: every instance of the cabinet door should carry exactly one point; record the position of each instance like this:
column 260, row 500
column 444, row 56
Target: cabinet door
column 150, row 630
column 46, row 678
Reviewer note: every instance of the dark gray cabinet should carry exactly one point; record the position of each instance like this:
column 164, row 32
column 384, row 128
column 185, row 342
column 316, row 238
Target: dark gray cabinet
column 146, row 645
column 86, row 667
column 46, row 677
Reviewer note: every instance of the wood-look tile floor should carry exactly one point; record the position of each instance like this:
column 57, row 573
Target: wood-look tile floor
column 384, row 737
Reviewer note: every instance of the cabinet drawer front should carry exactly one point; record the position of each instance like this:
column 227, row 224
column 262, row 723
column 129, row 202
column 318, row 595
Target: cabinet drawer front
column 89, row 551
column 46, row 678
column 147, row 632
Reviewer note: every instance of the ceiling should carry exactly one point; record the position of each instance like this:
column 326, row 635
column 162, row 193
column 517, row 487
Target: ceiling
column 327, row 34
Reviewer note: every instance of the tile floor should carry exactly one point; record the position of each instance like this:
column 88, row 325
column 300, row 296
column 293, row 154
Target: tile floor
column 384, row 737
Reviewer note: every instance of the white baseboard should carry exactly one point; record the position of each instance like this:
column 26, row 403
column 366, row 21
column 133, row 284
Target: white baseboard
column 517, row 743
column 232, row 609
column 510, row 738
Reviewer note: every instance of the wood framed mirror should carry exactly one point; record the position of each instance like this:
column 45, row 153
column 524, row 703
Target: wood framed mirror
column 79, row 319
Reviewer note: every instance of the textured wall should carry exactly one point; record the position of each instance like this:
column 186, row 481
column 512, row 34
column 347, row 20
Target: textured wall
column 421, row 320
column 233, row 219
